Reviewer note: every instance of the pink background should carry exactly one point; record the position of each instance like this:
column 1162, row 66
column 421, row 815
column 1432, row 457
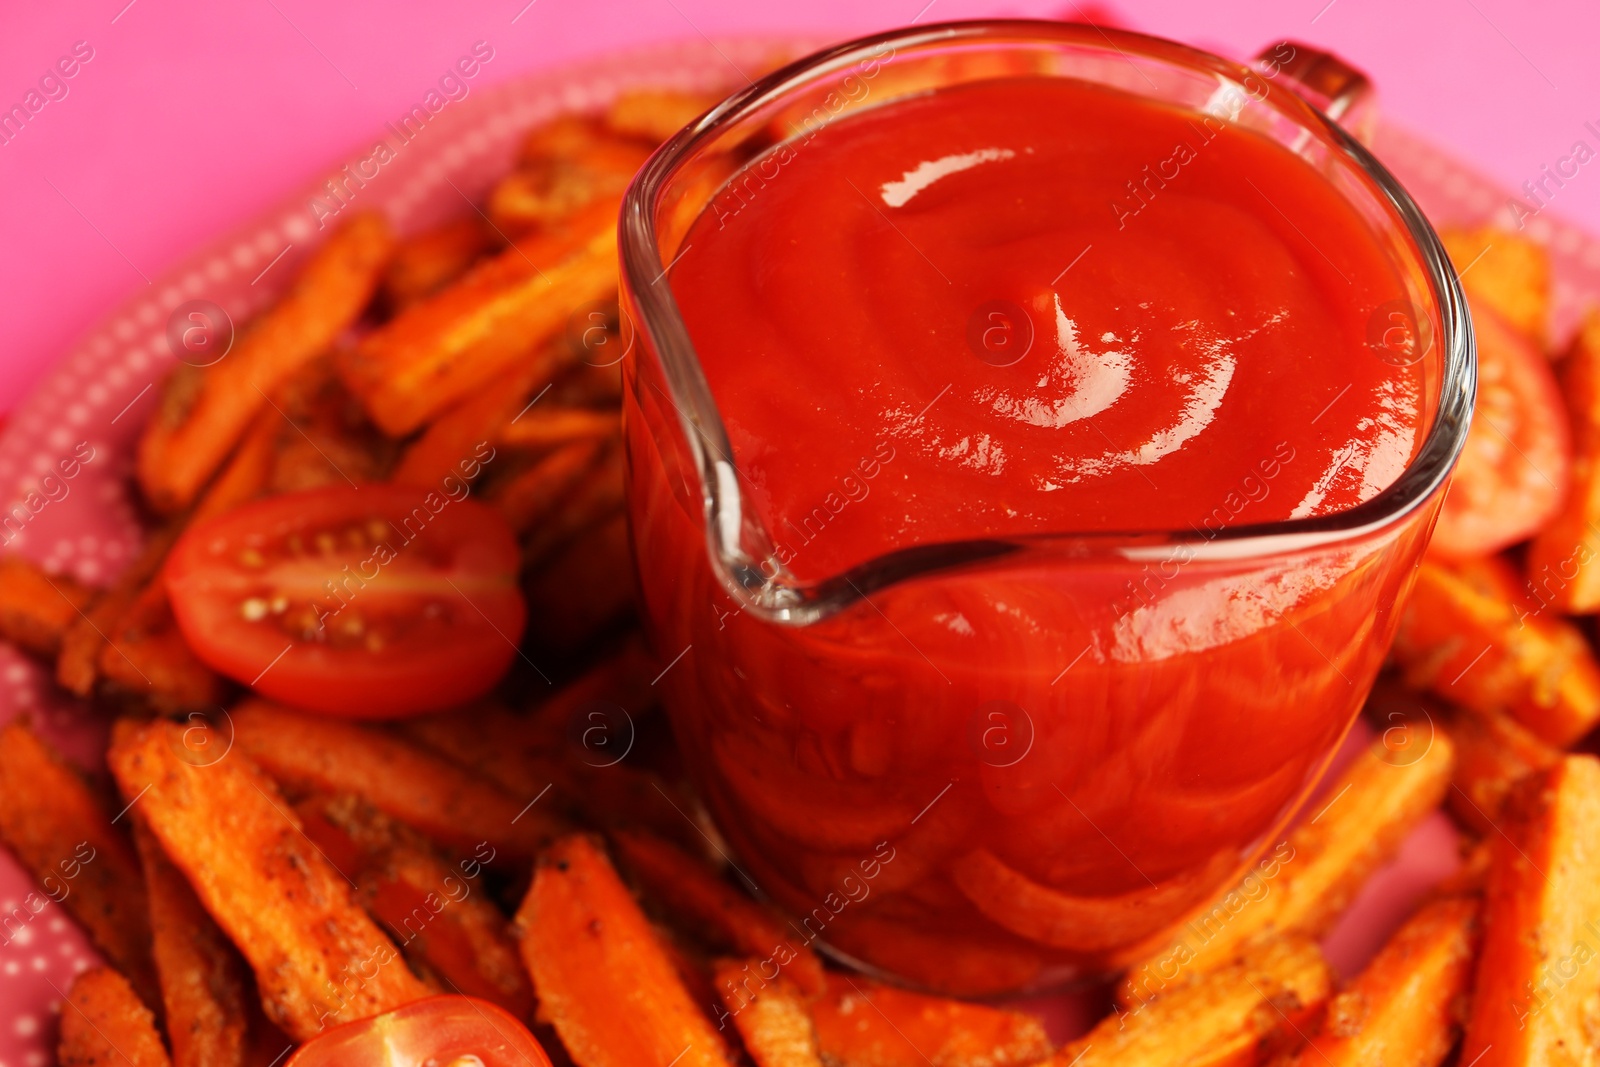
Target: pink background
column 192, row 116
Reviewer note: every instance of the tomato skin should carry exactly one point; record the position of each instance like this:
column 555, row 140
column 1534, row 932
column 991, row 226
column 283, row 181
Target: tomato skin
column 433, row 1032
column 1513, row 473
column 372, row 602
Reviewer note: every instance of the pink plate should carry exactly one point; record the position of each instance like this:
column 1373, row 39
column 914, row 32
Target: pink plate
column 94, row 402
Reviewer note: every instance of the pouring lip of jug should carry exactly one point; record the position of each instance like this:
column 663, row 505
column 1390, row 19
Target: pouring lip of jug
column 737, row 543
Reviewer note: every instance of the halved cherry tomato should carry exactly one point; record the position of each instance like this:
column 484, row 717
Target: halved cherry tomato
column 370, row 602
column 443, row 1031
column 1514, row 470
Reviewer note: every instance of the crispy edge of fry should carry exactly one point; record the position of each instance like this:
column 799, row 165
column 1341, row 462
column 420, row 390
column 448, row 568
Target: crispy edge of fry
column 1572, row 539
column 861, row 1021
column 36, row 609
column 61, row 832
column 692, row 891
column 104, row 1024
column 1316, row 871
column 180, row 449
column 774, row 1021
column 1493, row 753
column 1230, row 1016
column 1509, row 273
column 317, row 957
column 590, row 949
column 1536, row 979
column 1405, row 1007
column 202, row 975
column 313, row 753
column 436, row 912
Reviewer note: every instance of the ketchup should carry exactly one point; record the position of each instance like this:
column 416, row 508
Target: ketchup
column 1020, row 307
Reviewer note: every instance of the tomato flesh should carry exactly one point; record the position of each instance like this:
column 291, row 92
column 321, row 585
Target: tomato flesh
column 377, row 601
column 1513, row 472
column 442, row 1031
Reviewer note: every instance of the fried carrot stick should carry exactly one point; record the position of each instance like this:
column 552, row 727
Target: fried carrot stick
column 692, row 892
column 443, row 349
column 774, row 1021
column 146, row 656
column 1510, row 274
column 548, row 190
column 36, row 609
column 205, row 411
column 1493, row 753
column 1564, row 558
column 600, row 972
column 467, row 429
column 78, row 665
column 61, row 832
column 437, row 912
column 1311, row 877
column 202, row 976
column 859, row 1021
column 1537, row 977
column 1468, row 634
column 313, row 753
column 426, row 263
column 531, row 496
column 1406, row 1006
column 318, row 959
column 552, row 427
column 103, row 1024
column 653, row 115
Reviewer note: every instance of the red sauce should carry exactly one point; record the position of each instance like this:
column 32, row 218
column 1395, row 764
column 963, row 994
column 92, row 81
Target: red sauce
column 998, row 777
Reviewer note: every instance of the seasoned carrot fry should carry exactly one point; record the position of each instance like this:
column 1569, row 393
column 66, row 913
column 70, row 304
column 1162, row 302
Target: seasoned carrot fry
column 1564, row 558
column 692, row 892
column 597, row 496
column 1233, row 1016
column 103, row 1024
column 439, row 351
column 1406, row 1006
column 324, row 437
column 1468, row 634
column 146, row 656
column 585, row 588
column 313, row 753
column 247, row 472
column 318, row 959
column 204, row 412
column 653, row 115
column 61, row 832
column 545, row 192
column 863, row 1022
column 202, row 976
column 1536, row 979
column 465, row 431
column 426, row 263
column 773, row 1020
column 1492, row 754
column 564, row 135
column 531, row 496
column 78, row 665
column 36, row 609
column 437, row 912
column 550, row 427
column 1311, row 877
column 601, row 975
column 1509, row 273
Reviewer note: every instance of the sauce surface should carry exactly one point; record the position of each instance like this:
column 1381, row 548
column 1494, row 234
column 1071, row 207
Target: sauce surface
column 1036, row 305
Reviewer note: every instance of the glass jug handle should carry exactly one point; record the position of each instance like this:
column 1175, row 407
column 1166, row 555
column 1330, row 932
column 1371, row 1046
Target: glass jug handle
column 1327, row 82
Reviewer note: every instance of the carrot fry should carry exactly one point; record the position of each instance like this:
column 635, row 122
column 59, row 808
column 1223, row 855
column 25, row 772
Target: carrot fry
column 564, row 135
column 312, row 753
column 465, row 430
column 204, row 412
column 600, row 972
column 653, row 115
column 1406, row 1006
column 146, row 656
column 318, row 959
column 426, row 263
column 548, row 191
column 1492, row 754
column 774, row 1020
column 585, row 588
column 78, row 665
column 1311, row 877
column 436, row 912
column 439, row 351
column 1536, row 979
column 692, row 892
column 202, row 976
column 36, row 609
column 862, row 1023
column 1233, row 1016
column 595, row 498
column 60, row 831
column 324, row 437
column 531, row 496
column 1468, row 634
column 247, row 472
column 103, row 1024
column 1510, row 274
column 1564, row 558
column 552, row 426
